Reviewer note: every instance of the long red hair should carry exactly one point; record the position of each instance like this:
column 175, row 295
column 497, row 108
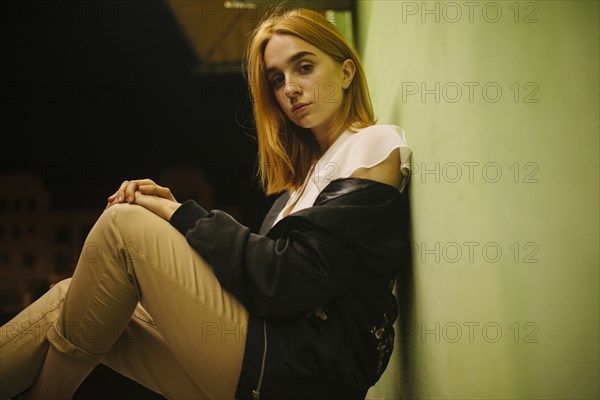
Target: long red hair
column 286, row 151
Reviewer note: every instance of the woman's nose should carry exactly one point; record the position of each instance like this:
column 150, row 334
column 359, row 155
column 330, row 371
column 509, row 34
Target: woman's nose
column 292, row 89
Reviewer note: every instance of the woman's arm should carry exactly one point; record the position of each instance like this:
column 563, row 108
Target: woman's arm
column 309, row 264
column 271, row 277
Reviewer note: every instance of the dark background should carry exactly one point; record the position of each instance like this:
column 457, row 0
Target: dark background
column 97, row 92
column 103, row 91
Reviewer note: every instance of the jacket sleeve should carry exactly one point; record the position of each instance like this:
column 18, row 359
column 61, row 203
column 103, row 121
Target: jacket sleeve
column 280, row 277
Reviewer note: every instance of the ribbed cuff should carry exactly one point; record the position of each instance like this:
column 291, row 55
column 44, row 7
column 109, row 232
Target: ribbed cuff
column 186, row 216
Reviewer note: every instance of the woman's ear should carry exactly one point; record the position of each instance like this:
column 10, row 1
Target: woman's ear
column 348, row 70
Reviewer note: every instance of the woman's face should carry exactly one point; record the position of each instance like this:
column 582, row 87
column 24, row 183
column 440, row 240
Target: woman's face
column 308, row 84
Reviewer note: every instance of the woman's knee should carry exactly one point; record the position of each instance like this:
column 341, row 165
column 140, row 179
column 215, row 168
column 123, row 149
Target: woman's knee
column 61, row 287
column 120, row 233
column 124, row 213
column 118, row 222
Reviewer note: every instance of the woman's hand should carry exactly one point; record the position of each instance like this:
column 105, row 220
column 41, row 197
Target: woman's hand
column 147, row 194
column 163, row 207
column 126, row 192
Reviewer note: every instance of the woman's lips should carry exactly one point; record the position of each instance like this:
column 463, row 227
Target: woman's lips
column 301, row 108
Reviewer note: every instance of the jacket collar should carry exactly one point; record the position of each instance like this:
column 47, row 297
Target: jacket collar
column 363, row 191
column 344, row 186
column 277, row 206
column 368, row 215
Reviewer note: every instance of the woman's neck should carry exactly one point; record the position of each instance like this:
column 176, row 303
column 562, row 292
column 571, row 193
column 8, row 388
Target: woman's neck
column 326, row 139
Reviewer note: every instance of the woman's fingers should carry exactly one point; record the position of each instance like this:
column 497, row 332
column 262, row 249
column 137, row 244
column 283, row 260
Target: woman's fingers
column 112, row 199
column 127, row 191
column 132, row 186
column 157, row 190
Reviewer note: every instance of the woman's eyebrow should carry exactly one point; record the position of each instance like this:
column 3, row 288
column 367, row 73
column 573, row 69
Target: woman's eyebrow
column 293, row 58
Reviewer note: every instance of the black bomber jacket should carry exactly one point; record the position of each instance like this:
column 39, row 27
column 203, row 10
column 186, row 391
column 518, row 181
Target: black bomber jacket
column 317, row 285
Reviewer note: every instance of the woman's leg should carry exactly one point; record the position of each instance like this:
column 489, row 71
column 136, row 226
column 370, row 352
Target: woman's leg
column 132, row 255
column 140, row 353
column 23, row 344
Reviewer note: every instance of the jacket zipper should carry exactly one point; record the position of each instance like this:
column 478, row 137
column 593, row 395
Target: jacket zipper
column 256, row 392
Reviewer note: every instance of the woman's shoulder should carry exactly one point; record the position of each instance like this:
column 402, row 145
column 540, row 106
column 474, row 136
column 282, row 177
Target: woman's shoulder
column 379, row 136
column 374, row 146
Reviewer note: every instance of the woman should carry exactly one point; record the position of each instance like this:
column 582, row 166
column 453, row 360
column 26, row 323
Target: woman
column 193, row 305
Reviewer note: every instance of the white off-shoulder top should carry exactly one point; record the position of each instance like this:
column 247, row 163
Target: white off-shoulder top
column 350, row 151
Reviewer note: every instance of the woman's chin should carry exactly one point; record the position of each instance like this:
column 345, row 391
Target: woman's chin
column 302, row 124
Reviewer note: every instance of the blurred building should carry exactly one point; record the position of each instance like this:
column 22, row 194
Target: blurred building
column 38, row 246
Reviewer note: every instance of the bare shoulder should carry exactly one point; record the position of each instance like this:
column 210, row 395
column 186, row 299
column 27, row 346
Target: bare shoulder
column 387, row 171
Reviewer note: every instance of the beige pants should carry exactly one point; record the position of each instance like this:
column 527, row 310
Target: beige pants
column 141, row 301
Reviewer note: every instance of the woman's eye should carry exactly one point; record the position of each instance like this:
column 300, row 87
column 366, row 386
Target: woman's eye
column 306, row 68
column 277, row 81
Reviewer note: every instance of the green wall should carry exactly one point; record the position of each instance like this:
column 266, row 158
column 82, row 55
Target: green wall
column 504, row 194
